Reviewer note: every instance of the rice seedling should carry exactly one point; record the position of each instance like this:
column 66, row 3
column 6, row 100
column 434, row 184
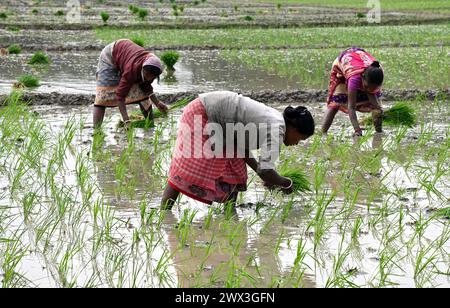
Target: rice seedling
column 39, row 58
column 444, row 213
column 14, row 49
column 138, row 120
column 105, row 17
column 29, row 81
column 170, row 58
column 142, row 13
column 401, row 114
column 300, row 182
column 304, row 38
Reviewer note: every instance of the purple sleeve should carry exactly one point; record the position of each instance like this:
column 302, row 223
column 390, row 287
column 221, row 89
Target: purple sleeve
column 354, row 83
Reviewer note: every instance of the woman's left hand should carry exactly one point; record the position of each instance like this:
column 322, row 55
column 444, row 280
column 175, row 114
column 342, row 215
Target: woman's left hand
column 162, row 107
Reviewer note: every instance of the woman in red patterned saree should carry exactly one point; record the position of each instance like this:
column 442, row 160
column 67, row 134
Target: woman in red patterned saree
column 355, row 85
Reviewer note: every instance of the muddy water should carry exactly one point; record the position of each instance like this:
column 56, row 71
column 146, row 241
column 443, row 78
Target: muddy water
column 47, row 39
column 257, row 239
column 197, row 71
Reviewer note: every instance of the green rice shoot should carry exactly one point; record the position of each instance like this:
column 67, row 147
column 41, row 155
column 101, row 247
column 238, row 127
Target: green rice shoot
column 29, row 81
column 170, row 58
column 444, row 213
column 14, row 49
column 138, row 121
column 299, row 179
column 39, row 58
column 401, row 114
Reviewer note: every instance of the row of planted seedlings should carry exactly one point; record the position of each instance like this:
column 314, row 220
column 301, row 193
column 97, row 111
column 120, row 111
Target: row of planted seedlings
column 280, row 241
column 354, row 228
column 64, row 222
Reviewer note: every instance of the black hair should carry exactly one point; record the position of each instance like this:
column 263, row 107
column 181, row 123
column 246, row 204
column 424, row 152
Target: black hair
column 156, row 71
column 301, row 119
column 374, row 74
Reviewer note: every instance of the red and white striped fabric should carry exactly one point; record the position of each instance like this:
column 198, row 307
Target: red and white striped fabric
column 205, row 179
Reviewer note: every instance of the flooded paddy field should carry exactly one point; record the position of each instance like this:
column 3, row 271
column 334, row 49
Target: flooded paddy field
column 204, row 14
column 74, row 72
column 80, row 208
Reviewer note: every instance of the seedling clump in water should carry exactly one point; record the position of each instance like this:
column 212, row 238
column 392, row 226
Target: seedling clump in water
column 14, row 50
column 300, row 182
column 29, row 81
column 39, row 58
column 170, row 58
column 138, row 120
column 400, row 114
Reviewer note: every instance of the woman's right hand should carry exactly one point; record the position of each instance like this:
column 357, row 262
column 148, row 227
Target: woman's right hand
column 127, row 125
column 286, row 187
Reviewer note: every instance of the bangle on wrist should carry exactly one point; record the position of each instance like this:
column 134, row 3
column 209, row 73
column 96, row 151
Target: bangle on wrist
column 290, row 186
column 127, row 121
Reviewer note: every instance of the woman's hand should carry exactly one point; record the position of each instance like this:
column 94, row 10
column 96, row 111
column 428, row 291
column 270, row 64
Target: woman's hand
column 162, row 107
column 358, row 133
column 127, row 125
column 287, row 187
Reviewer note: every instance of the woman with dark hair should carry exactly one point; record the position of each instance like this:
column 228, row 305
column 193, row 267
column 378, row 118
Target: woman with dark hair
column 217, row 133
column 355, row 85
column 125, row 75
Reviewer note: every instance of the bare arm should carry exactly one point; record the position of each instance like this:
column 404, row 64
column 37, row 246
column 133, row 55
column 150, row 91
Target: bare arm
column 123, row 111
column 160, row 105
column 374, row 101
column 377, row 112
column 270, row 177
column 352, row 112
column 121, row 93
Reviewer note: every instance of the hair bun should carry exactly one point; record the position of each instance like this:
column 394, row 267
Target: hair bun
column 375, row 64
column 290, row 112
column 301, row 111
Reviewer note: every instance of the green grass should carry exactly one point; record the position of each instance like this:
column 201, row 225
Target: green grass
column 328, row 37
column 39, row 58
column 416, row 5
column 29, row 81
column 405, row 68
column 138, row 41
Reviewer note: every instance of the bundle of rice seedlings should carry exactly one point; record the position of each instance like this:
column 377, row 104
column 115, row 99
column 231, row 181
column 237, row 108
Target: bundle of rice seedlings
column 300, row 182
column 39, row 58
column 181, row 103
column 28, row 81
column 401, row 114
column 14, row 50
column 170, row 58
column 138, row 120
